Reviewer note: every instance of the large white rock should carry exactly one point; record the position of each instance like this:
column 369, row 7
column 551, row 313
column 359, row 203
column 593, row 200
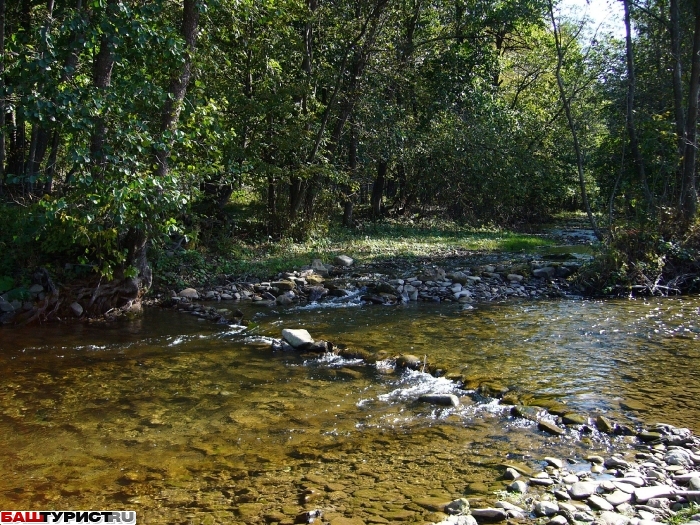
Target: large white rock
column 298, row 337
column 343, row 260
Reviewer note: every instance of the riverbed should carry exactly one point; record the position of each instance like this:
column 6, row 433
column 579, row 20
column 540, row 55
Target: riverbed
column 187, row 421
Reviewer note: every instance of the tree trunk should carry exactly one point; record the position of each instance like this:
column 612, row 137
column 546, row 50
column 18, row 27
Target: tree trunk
column 378, row 189
column 689, row 197
column 348, row 205
column 3, row 105
column 67, row 74
column 178, row 85
column 569, row 117
column 271, row 205
column 631, row 128
column 677, row 86
column 101, row 79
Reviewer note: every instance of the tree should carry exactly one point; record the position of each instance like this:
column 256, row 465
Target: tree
column 566, row 103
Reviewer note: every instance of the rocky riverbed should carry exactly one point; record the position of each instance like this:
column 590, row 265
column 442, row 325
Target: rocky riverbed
column 653, row 477
column 391, row 283
column 649, row 483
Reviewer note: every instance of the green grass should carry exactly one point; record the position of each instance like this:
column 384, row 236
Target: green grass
column 684, row 515
column 371, row 243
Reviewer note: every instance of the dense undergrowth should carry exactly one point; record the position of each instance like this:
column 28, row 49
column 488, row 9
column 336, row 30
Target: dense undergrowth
column 660, row 257
column 650, row 257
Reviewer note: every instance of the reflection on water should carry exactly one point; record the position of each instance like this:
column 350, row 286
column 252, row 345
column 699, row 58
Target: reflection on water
column 185, row 421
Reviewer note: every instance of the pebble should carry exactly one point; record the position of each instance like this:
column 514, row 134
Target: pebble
column 546, row 508
column 562, row 495
column 518, row 486
column 508, row 506
column 511, row 474
column 582, row 490
column 624, row 487
column 458, row 506
column 599, row 503
column 541, row 482
column 616, row 462
column 618, row 498
column 613, row 518
column 555, row 462
column 491, row 514
column 558, row 520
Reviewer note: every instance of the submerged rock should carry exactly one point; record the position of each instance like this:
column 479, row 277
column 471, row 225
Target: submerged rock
column 458, row 506
column 550, row 428
column 409, row 361
column 440, row 399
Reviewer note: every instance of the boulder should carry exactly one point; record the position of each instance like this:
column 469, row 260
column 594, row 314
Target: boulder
column 189, row 293
column 76, row 309
column 298, row 338
column 318, row 267
column 284, row 286
column 343, row 260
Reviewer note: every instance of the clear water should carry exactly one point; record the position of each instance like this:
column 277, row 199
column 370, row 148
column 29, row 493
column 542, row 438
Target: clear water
column 190, row 422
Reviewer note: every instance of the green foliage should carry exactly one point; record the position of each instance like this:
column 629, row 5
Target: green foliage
column 6, row 283
column 291, row 110
column 684, row 515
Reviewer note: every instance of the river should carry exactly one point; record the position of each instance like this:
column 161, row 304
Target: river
column 186, row 421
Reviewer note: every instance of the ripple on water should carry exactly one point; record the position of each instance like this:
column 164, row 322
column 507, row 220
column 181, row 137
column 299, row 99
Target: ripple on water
column 182, row 420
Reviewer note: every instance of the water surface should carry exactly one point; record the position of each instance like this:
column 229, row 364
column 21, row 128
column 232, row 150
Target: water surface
column 191, row 422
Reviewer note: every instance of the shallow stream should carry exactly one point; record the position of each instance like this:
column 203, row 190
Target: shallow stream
column 190, row 422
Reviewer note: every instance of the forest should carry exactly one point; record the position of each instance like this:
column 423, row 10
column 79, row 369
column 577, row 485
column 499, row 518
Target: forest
column 129, row 125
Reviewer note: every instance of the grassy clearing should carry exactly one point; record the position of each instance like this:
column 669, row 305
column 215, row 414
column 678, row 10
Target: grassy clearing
column 371, row 243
